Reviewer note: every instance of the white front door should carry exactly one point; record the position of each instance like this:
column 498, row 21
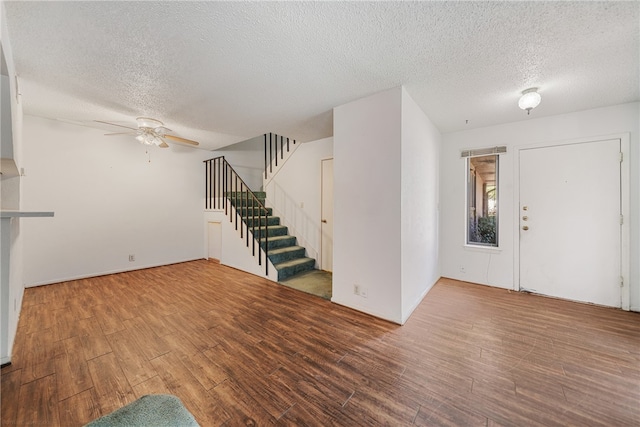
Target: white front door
column 326, row 228
column 569, row 217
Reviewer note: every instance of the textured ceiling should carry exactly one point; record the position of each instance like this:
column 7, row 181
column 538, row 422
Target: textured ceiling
column 222, row 72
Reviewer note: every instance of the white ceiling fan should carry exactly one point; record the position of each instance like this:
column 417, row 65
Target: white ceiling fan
column 150, row 132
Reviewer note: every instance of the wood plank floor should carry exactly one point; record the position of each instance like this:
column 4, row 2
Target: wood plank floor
column 239, row 350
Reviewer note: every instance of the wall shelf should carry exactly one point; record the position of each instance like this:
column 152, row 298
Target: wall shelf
column 23, row 214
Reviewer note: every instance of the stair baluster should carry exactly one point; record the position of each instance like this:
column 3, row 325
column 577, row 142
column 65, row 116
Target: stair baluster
column 271, row 151
column 224, row 185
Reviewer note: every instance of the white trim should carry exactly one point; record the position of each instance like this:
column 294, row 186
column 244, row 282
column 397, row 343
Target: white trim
column 625, row 179
column 625, row 229
column 108, row 272
column 321, row 263
column 366, row 310
column 484, row 249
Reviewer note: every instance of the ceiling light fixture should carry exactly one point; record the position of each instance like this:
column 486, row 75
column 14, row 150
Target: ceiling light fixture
column 150, row 131
column 529, row 100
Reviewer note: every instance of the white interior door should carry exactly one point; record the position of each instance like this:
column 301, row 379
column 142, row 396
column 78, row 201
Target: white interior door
column 326, row 227
column 570, row 241
column 215, row 241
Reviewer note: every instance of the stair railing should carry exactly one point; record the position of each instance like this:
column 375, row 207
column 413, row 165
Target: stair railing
column 271, row 151
column 225, row 188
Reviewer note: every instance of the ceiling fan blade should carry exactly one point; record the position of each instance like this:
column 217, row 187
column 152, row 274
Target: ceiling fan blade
column 183, row 140
column 113, row 124
column 120, row 133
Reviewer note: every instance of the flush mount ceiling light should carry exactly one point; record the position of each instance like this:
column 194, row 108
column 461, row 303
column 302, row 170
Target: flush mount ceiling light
column 529, row 100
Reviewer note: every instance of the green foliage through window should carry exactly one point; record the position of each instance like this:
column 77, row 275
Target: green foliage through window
column 482, row 200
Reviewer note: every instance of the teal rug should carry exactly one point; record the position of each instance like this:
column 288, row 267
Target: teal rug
column 157, row 410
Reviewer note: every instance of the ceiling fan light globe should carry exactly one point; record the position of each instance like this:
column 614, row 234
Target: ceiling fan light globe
column 146, row 122
column 161, row 131
column 147, row 139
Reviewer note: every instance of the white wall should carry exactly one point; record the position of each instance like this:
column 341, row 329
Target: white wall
column 420, row 159
column 10, row 198
column 247, row 159
column 294, row 193
column 6, row 137
column 367, row 199
column 110, row 199
column 386, row 154
column 496, row 267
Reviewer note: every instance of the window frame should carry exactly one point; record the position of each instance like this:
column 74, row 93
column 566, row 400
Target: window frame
column 468, row 155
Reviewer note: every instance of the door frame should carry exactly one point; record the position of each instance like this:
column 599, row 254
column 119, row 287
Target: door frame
column 624, row 207
column 321, row 262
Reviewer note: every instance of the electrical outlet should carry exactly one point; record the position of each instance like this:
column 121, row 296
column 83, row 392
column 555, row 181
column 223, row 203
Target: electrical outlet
column 132, row 258
column 360, row 290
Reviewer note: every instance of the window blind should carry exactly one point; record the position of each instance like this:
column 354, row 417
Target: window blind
column 483, row 151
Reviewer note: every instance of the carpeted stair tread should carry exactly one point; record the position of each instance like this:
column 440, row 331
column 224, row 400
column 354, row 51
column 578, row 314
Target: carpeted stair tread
column 249, row 211
column 287, row 253
column 238, row 194
column 279, row 242
column 259, row 216
column 275, row 238
column 286, row 249
column 292, row 267
column 244, row 202
column 294, row 262
column 272, row 230
column 271, row 220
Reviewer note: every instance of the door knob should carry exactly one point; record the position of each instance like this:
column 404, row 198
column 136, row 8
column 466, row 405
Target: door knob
column 525, row 227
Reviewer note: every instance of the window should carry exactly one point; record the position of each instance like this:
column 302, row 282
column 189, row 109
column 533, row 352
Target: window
column 482, row 199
